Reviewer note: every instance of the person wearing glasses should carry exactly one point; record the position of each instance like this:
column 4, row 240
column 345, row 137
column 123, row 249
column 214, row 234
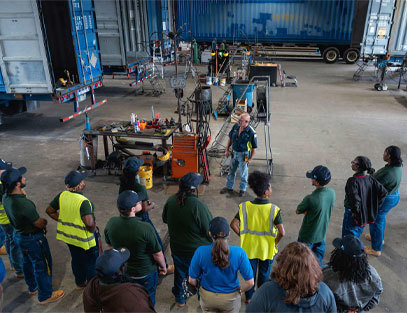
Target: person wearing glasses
column 243, row 140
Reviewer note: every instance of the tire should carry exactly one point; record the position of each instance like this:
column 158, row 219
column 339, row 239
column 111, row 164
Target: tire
column 330, row 55
column 351, row 55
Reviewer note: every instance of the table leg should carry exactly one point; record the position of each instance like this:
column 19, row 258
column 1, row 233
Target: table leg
column 106, row 146
column 164, row 145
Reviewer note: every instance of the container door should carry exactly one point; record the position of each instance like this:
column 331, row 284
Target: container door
column 110, row 32
column 23, row 59
column 377, row 30
column 2, row 87
column 85, row 41
column 398, row 37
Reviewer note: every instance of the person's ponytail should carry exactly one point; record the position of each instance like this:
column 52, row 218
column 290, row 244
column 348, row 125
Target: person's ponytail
column 220, row 252
column 371, row 170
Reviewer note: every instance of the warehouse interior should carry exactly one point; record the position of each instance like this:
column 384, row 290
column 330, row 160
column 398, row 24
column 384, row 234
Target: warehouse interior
column 319, row 107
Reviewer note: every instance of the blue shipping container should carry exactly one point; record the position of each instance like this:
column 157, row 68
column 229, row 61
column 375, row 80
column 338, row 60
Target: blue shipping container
column 41, row 42
column 276, row 21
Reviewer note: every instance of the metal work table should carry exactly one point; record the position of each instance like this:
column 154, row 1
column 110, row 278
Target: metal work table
column 149, row 134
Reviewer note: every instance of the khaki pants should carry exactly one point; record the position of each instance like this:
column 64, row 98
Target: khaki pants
column 220, row 302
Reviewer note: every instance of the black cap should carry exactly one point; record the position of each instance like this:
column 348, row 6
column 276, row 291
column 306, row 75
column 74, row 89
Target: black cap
column 351, row 245
column 74, row 178
column 321, row 174
column 219, row 225
column 12, row 175
column 4, row 165
column 128, row 199
column 191, row 180
column 110, row 262
column 133, row 164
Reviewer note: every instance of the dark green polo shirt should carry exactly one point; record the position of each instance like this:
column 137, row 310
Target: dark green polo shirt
column 188, row 224
column 139, row 188
column 318, row 206
column 137, row 236
column 22, row 213
column 278, row 220
column 2, row 192
column 86, row 208
column 390, row 177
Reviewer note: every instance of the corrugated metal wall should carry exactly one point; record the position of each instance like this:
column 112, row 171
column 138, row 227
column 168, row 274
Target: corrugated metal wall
column 292, row 21
column 398, row 35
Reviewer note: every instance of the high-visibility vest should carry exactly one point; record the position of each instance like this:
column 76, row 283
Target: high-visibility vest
column 3, row 216
column 257, row 230
column 70, row 227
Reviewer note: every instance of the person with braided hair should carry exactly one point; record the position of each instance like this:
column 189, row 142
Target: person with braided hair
column 363, row 196
column 188, row 226
column 217, row 266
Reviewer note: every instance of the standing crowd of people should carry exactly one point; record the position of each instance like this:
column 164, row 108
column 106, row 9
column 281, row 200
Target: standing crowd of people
column 125, row 276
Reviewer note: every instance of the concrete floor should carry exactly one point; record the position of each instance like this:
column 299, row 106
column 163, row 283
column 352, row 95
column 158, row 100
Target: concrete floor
column 329, row 119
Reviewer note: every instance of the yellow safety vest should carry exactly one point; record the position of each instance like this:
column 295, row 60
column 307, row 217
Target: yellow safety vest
column 3, row 216
column 257, row 230
column 70, row 227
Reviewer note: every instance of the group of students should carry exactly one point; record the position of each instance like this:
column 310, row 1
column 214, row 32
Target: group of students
column 125, row 277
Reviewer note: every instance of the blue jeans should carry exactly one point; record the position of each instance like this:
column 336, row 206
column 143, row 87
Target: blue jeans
column 349, row 227
column 2, row 238
column 83, row 262
column 318, row 248
column 238, row 161
column 150, row 283
column 264, row 274
column 181, row 271
column 378, row 227
column 37, row 266
column 14, row 253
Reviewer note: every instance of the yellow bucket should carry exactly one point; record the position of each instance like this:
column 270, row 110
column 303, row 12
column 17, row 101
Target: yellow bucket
column 146, row 176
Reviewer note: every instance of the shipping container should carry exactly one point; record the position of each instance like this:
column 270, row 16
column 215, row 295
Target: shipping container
column 127, row 28
column 333, row 26
column 48, row 51
column 386, row 28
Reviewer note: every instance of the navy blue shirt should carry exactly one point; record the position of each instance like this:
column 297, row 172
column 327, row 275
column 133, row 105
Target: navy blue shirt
column 247, row 138
column 215, row 279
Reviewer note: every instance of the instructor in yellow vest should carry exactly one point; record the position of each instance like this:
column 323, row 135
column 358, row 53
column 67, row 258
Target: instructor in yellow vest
column 260, row 227
column 76, row 227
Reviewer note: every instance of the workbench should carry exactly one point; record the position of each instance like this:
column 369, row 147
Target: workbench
column 104, row 128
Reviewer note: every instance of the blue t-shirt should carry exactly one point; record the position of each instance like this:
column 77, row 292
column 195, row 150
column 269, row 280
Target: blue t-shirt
column 215, row 279
column 239, row 143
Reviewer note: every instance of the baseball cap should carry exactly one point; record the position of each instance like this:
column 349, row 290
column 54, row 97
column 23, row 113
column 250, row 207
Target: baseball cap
column 321, row 174
column 74, row 178
column 110, row 261
column 4, row 165
column 133, row 164
column 219, row 225
column 192, row 180
column 12, row 175
column 128, row 199
column 351, row 245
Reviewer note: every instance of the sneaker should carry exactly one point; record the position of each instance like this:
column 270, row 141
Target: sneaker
column 170, row 269
column 180, row 305
column 368, row 237
column 3, row 250
column 241, row 193
column 80, row 287
column 56, row 295
column 19, row 275
column 33, row 293
column 370, row 251
column 226, row 190
column 12, row 269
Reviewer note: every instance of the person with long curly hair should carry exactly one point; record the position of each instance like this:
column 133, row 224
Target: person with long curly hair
column 356, row 285
column 295, row 286
column 188, row 220
column 363, row 196
column 218, row 266
column 390, row 177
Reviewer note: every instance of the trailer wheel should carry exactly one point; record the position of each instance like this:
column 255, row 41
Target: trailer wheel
column 330, row 55
column 351, row 55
